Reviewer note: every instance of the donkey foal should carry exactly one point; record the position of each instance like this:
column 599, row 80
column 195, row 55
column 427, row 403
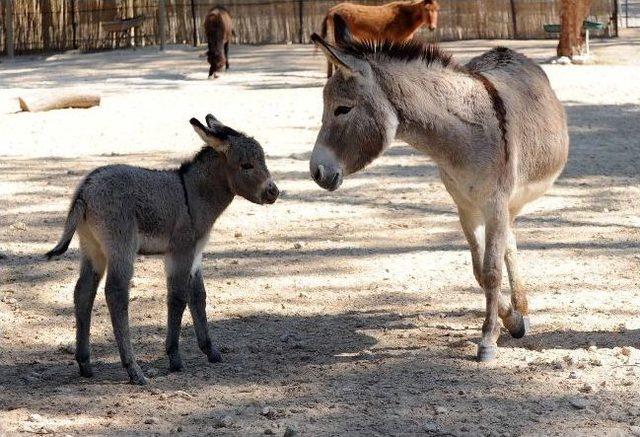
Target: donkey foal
column 120, row 211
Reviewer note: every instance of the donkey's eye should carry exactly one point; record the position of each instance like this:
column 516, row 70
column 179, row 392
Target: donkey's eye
column 340, row 110
column 247, row 166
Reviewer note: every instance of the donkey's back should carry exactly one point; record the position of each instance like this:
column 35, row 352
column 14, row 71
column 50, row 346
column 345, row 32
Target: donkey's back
column 147, row 202
column 535, row 121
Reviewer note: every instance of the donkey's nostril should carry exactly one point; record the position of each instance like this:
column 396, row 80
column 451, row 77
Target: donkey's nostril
column 273, row 190
column 318, row 175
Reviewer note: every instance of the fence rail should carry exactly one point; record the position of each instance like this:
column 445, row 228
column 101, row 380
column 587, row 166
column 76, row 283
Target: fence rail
column 52, row 25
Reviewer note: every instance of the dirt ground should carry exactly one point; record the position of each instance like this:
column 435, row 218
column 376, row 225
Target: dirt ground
column 346, row 313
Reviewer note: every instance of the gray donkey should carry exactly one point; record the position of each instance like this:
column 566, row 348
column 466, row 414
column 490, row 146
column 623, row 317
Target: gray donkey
column 120, row 211
column 494, row 127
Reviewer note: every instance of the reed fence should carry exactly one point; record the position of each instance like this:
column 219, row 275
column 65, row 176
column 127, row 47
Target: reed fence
column 53, row 25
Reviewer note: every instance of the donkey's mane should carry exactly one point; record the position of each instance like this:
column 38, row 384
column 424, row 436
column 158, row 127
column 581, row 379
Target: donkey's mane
column 413, row 50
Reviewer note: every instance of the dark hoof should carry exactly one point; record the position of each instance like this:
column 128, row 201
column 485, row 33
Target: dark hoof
column 522, row 325
column 175, row 363
column 487, row 353
column 214, row 355
column 85, row 370
column 136, row 376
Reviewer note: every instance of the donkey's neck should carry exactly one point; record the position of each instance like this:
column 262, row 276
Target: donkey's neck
column 207, row 190
column 440, row 110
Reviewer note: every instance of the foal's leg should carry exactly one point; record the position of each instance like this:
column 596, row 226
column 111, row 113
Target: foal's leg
column 119, row 273
column 178, row 272
column 197, row 306
column 92, row 268
column 497, row 228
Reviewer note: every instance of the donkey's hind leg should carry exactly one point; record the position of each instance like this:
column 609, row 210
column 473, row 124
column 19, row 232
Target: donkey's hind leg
column 497, row 229
column 473, row 227
column 518, row 292
column 91, row 271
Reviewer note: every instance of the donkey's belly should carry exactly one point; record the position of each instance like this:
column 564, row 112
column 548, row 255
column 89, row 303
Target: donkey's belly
column 152, row 245
column 526, row 192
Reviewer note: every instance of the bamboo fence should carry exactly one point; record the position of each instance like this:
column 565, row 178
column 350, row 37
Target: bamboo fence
column 53, row 25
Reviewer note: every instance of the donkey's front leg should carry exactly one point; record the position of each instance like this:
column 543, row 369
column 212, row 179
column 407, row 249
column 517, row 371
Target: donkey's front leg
column 497, row 228
column 120, row 271
column 197, row 306
column 177, row 294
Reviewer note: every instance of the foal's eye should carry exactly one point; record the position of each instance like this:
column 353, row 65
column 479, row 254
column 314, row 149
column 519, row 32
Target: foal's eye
column 340, row 110
column 247, row 166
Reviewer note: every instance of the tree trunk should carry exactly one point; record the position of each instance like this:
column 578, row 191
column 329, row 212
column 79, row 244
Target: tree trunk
column 572, row 14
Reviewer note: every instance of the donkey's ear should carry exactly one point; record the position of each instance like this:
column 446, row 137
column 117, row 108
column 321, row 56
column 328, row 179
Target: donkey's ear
column 341, row 30
column 212, row 137
column 336, row 56
column 213, row 122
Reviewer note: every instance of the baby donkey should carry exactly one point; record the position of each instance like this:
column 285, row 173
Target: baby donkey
column 120, row 211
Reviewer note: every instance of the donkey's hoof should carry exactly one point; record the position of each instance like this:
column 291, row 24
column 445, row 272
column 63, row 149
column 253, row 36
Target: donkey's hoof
column 487, row 353
column 175, row 364
column 214, row 355
column 85, row 370
column 136, row 376
column 522, row 326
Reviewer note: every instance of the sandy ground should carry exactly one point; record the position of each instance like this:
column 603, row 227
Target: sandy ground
column 345, row 313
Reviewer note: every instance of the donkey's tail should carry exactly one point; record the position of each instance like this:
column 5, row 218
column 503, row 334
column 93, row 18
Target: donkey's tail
column 76, row 213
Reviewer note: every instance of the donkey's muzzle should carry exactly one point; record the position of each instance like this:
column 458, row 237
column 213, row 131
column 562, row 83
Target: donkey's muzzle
column 271, row 193
column 327, row 177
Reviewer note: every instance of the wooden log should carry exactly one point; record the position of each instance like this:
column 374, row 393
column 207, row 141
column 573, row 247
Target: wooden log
column 59, row 101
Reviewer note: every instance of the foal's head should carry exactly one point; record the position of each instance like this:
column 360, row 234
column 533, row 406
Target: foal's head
column 430, row 13
column 244, row 163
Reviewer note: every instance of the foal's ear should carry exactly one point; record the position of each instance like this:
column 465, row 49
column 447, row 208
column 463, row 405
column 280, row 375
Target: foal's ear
column 213, row 122
column 214, row 138
column 339, row 58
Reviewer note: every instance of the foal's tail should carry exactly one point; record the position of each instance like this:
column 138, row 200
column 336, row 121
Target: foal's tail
column 76, row 213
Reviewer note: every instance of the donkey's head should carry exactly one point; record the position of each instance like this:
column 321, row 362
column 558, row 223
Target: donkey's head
column 430, row 13
column 358, row 121
column 244, row 163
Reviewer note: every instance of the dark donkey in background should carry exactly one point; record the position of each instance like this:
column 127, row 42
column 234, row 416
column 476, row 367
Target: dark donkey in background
column 494, row 128
column 219, row 30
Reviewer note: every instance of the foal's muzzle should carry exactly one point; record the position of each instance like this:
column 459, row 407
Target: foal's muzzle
column 329, row 178
column 270, row 193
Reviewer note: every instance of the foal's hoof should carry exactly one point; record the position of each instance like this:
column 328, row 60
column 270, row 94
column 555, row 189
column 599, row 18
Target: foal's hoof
column 175, row 364
column 214, row 355
column 136, row 376
column 487, row 353
column 85, row 370
column 522, row 326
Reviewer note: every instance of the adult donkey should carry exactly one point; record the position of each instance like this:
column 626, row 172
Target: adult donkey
column 494, row 127
column 396, row 21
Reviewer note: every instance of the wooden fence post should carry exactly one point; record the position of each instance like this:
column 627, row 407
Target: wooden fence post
column 74, row 25
column 193, row 19
column 514, row 22
column 8, row 23
column 161, row 22
column 300, row 21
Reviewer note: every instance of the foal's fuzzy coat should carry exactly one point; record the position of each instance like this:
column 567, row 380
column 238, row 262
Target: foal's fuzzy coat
column 119, row 211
